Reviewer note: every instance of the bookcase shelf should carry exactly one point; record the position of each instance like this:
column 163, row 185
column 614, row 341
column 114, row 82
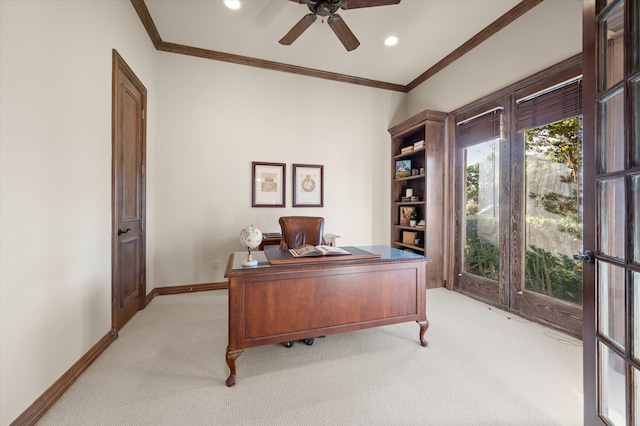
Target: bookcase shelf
column 410, row 246
column 426, row 167
column 409, row 154
column 410, row 178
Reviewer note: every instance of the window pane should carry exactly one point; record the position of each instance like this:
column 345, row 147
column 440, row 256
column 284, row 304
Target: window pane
column 635, row 137
column 635, row 214
column 614, row 49
column 635, row 282
column 636, row 396
column 612, row 127
column 481, row 253
column 611, row 298
column 613, row 405
column 553, row 210
column 611, row 209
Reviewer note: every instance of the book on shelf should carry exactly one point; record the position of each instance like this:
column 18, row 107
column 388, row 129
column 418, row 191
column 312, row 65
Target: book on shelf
column 409, row 237
column 418, row 145
column 406, row 149
column 271, row 235
column 309, row 250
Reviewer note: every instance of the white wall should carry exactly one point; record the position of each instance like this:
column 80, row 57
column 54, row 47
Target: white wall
column 207, row 121
column 544, row 36
column 215, row 118
column 55, row 183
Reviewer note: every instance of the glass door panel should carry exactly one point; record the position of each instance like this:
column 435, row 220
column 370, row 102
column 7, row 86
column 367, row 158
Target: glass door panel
column 635, row 147
column 636, row 402
column 611, row 303
column 635, row 283
column 481, row 218
column 611, row 370
column 612, row 151
column 553, row 209
column 613, row 27
column 635, row 214
column 611, row 213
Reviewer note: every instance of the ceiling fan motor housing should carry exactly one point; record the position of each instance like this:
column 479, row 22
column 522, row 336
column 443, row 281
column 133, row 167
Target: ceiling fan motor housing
column 325, row 7
column 328, row 8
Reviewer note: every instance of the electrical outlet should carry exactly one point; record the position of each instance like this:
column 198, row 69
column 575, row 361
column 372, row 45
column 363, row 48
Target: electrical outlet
column 215, row 265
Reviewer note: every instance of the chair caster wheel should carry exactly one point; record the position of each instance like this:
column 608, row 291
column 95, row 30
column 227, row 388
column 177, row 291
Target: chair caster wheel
column 288, row 344
column 309, row 342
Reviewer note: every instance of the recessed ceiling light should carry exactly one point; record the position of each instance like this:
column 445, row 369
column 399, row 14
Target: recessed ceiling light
column 391, row 41
column 233, row 4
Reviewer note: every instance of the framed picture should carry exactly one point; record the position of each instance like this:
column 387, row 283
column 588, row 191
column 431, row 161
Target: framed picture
column 267, row 182
column 403, row 168
column 308, row 185
column 405, row 215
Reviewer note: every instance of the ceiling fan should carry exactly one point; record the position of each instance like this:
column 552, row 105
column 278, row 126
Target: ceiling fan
column 328, row 8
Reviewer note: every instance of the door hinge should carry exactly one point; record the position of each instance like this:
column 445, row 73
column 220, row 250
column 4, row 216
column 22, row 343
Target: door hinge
column 142, row 225
column 142, row 114
column 142, row 168
column 141, row 279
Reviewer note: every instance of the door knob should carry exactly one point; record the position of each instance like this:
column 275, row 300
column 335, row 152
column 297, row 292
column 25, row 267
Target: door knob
column 120, row 231
column 587, row 257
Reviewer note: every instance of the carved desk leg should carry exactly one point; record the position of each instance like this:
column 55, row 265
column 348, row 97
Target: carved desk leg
column 231, row 362
column 423, row 329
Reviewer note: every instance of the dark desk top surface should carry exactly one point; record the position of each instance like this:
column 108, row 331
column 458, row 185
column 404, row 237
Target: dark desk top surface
column 386, row 254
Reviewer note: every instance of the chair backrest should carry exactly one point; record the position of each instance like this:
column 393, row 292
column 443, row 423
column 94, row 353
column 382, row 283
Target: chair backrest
column 300, row 230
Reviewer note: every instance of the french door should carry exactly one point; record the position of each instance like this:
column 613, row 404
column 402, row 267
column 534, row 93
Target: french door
column 611, row 35
column 480, row 205
column 547, row 201
column 519, row 198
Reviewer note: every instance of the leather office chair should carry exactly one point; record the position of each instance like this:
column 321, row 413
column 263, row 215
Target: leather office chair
column 300, row 230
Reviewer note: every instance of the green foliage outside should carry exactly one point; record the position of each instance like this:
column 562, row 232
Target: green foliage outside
column 546, row 271
column 481, row 256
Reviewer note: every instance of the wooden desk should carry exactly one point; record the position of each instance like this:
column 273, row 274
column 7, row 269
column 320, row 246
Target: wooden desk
column 271, row 304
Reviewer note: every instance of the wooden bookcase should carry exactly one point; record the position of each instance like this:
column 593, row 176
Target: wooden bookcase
column 427, row 180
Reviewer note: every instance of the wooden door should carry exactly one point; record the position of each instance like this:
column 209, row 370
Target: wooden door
column 128, row 194
column 611, row 33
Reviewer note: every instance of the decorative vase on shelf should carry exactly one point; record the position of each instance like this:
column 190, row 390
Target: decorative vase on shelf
column 412, row 222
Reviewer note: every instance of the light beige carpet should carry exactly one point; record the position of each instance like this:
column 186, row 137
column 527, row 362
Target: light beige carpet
column 482, row 367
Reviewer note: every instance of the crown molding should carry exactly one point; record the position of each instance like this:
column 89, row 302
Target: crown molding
column 514, row 13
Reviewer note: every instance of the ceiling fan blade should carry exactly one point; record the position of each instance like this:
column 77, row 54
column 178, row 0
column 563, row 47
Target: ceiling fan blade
column 357, row 4
column 343, row 32
column 298, row 29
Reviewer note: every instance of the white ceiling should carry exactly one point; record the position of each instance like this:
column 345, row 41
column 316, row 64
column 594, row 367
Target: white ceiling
column 428, row 31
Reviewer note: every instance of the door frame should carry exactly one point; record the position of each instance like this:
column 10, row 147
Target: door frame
column 120, row 66
column 589, row 326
